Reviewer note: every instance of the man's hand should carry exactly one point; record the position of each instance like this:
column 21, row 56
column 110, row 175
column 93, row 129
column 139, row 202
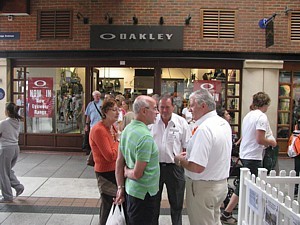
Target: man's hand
column 120, row 198
column 179, row 158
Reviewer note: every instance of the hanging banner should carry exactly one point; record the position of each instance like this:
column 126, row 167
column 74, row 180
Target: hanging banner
column 40, row 95
column 213, row 86
column 270, row 34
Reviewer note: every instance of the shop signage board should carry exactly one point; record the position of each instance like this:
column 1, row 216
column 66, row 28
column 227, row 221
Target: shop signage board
column 270, row 34
column 9, row 36
column 40, row 96
column 136, row 37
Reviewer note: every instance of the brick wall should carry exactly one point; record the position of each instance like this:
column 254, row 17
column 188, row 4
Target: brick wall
column 249, row 38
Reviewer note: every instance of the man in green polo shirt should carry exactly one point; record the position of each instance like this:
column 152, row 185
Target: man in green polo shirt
column 138, row 165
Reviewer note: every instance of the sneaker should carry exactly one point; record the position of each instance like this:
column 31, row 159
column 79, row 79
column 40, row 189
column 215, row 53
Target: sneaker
column 228, row 219
column 19, row 192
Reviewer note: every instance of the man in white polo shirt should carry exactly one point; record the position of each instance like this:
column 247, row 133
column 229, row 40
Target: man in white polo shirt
column 207, row 161
column 171, row 133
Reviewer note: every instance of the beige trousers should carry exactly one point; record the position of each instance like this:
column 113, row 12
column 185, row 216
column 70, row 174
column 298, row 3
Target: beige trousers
column 203, row 201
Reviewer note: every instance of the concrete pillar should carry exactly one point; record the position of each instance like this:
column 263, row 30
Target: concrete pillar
column 261, row 75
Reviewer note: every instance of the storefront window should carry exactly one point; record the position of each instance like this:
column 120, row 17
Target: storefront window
column 284, row 105
column 296, row 99
column 18, row 93
column 223, row 83
column 51, row 99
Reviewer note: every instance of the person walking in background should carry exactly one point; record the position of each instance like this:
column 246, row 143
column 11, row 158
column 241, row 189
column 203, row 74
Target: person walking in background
column 255, row 126
column 224, row 114
column 126, row 106
column 156, row 97
column 92, row 111
column 138, row 164
column 93, row 115
column 9, row 152
column 171, row 133
column 207, row 161
column 129, row 115
column 187, row 114
column 119, row 99
column 104, row 144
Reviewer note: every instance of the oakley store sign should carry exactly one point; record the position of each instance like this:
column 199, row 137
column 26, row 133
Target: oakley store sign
column 137, row 37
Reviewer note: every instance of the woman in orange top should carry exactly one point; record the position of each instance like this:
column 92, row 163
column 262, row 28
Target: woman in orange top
column 104, row 144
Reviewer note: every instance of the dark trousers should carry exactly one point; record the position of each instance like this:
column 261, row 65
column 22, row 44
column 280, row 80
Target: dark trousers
column 105, row 206
column 106, row 199
column 297, row 169
column 253, row 165
column 297, row 164
column 140, row 212
column 173, row 177
column 86, row 145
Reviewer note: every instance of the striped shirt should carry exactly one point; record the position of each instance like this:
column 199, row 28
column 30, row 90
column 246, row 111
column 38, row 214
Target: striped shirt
column 137, row 144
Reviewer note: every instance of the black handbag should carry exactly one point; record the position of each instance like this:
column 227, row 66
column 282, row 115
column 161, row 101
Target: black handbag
column 90, row 160
column 86, row 145
column 270, row 158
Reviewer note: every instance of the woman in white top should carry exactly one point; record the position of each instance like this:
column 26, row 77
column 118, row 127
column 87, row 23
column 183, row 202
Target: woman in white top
column 9, row 151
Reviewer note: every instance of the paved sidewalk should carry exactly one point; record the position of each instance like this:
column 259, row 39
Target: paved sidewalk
column 61, row 189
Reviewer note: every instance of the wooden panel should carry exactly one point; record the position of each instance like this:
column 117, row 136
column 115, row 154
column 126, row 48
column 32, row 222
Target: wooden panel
column 39, row 140
column 69, row 141
column 282, row 147
column 21, row 139
column 51, row 142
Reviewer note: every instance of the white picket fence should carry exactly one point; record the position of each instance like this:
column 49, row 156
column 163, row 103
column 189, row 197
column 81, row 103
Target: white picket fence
column 268, row 200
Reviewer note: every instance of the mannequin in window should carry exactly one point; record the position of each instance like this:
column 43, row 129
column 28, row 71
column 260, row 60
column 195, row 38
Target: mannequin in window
column 284, row 91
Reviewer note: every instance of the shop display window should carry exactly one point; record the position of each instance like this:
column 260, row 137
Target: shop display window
column 284, row 105
column 224, row 84
column 288, row 105
column 50, row 99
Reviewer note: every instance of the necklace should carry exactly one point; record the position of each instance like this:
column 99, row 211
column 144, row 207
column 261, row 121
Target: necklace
column 112, row 130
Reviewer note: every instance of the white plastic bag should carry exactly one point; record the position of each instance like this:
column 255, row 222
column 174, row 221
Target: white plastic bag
column 294, row 144
column 116, row 215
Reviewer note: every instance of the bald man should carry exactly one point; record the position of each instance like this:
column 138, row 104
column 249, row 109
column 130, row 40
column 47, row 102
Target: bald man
column 137, row 167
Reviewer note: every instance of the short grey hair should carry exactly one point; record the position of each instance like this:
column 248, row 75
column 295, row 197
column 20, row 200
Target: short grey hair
column 205, row 96
column 139, row 103
column 96, row 93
